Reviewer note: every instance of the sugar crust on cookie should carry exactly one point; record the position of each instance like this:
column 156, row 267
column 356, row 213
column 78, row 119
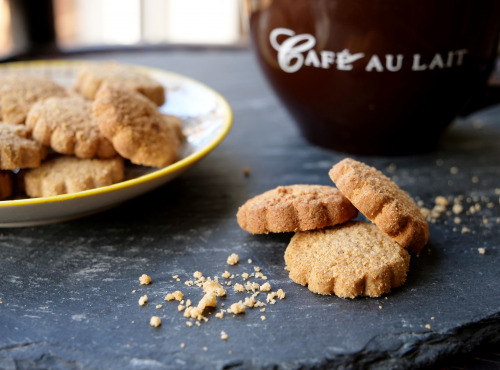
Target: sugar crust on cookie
column 68, row 174
column 92, row 76
column 136, row 128
column 67, row 125
column 17, row 149
column 18, row 93
column 294, row 208
column 383, row 202
column 348, row 260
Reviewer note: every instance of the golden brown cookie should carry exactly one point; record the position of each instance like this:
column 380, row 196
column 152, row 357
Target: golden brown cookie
column 136, row 128
column 18, row 93
column 17, row 149
column 6, row 184
column 348, row 260
column 68, row 126
column 68, row 174
column 295, row 208
column 383, row 202
column 92, row 76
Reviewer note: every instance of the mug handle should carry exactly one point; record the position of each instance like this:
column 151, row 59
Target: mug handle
column 490, row 95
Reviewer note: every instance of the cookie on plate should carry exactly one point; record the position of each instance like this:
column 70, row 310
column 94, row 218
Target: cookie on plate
column 383, row 202
column 92, row 76
column 349, row 260
column 17, row 149
column 18, row 93
column 295, row 208
column 68, row 174
column 137, row 130
column 6, row 184
column 68, row 126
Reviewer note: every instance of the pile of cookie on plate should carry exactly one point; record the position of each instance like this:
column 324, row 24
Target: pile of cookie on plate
column 332, row 253
column 57, row 140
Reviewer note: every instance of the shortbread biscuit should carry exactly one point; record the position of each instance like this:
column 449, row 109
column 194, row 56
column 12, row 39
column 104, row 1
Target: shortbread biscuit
column 136, row 128
column 6, row 184
column 68, row 126
column 92, row 76
column 17, row 149
column 348, row 260
column 68, row 174
column 383, row 202
column 295, row 208
column 18, row 93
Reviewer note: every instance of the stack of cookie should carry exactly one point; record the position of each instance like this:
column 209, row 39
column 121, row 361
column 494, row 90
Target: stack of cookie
column 58, row 141
column 332, row 253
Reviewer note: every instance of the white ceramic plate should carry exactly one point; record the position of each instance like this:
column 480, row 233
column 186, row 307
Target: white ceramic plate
column 206, row 117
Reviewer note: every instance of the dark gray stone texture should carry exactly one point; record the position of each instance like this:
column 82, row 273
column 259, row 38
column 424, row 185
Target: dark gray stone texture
column 66, row 289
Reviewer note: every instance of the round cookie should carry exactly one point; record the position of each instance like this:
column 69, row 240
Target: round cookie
column 295, row 208
column 68, row 126
column 383, row 202
column 17, row 149
column 18, row 93
column 92, row 76
column 348, row 260
column 68, row 174
column 137, row 130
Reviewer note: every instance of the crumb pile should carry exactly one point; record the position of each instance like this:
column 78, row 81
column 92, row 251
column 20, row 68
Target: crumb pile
column 224, row 296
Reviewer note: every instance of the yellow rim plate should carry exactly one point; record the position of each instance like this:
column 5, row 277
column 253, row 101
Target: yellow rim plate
column 207, row 119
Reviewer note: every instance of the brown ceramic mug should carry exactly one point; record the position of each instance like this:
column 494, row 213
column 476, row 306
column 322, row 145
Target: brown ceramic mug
column 375, row 76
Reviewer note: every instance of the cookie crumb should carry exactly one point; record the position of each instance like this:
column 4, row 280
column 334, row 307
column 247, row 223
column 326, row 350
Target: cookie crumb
column 223, row 335
column 465, row 230
column 158, row 306
column 250, row 261
column 189, row 323
column 182, row 345
column 144, row 279
column 143, row 300
column 266, row 287
column 220, row 314
column 263, row 318
column 428, row 326
column 208, row 300
column 205, row 348
column 481, row 250
column 442, row 201
column 237, row 308
column 155, row 321
column 226, row 275
column 280, row 294
column 212, row 286
column 454, row 170
column 233, row 259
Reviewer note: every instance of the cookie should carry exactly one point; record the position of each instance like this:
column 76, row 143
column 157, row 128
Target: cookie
column 349, row 260
column 137, row 130
column 68, row 174
column 92, row 76
column 295, row 208
column 68, row 126
column 383, row 202
column 6, row 184
column 18, row 93
column 17, row 149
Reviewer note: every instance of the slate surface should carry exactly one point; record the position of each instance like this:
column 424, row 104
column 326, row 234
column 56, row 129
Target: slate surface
column 67, row 289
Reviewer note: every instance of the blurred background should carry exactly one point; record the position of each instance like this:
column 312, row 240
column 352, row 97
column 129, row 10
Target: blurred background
column 45, row 26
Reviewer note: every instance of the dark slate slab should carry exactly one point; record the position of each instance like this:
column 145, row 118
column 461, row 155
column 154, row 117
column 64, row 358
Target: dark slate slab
column 66, row 289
